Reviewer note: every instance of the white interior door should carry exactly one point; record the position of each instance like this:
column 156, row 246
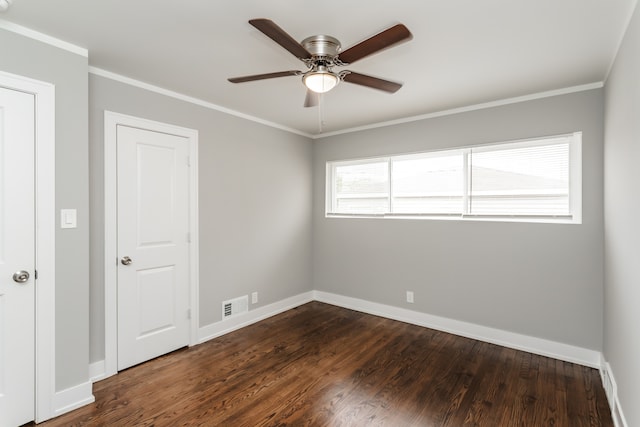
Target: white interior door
column 17, row 258
column 153, row 225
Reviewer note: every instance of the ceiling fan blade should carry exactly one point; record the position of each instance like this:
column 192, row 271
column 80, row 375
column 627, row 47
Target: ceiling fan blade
column 396, row 34
column 264, row 76
column 280, row 36
column 372, row 82
column 312, row 99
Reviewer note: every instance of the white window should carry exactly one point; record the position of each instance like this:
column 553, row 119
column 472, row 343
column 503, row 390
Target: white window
column 533, row 180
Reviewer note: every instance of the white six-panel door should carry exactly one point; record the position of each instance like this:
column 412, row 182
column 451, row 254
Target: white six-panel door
column 17, row 258
column 153, row 252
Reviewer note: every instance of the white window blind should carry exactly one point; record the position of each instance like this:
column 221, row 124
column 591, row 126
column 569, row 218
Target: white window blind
column 529, row 180
column 427, row 184
column 532, row 179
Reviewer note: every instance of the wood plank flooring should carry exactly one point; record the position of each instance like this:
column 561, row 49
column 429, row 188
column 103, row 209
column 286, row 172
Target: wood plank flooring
column 320, row 365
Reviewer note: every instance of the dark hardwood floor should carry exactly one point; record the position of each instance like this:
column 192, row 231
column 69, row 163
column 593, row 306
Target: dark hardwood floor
column 320, row 365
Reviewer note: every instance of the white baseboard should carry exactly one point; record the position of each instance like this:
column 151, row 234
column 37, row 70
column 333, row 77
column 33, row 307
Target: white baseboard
column 97, row 371
column 553, row 349
column 214, row 330
column 72, row 398
column 611, row 389
column 543, row 347
column 81, row 395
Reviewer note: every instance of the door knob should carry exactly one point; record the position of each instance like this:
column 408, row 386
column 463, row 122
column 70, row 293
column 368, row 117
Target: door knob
column 20, row 276
column 126, row 260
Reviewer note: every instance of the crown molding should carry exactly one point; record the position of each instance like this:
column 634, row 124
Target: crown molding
column 44, row 38
column 162, row 91
column 632, row 9
column 498, row 103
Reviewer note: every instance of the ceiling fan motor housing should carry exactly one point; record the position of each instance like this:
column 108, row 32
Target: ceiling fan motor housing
column 323, row 46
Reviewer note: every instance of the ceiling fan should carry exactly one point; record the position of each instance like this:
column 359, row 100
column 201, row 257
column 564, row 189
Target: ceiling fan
column 322, row 53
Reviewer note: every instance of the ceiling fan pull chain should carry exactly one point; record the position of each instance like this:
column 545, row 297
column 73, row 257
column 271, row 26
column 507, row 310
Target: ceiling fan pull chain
column 321, row 112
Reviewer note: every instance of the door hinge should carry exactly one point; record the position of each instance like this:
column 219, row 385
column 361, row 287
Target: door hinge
column 189, row 161
column 35, row 274
column 189, row 313
column 188, row 237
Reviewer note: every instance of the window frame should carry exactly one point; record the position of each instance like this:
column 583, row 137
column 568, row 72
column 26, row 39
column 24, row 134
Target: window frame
column 574, row 185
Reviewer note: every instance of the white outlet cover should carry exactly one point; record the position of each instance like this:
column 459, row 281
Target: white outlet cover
column 410, row 296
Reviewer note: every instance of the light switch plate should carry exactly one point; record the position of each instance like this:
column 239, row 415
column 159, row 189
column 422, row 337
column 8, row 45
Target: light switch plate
column 68, row 218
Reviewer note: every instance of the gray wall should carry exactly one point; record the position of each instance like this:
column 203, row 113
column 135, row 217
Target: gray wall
column 255, row 202
column 542, row 280
column 68, row 72
column 622, row 204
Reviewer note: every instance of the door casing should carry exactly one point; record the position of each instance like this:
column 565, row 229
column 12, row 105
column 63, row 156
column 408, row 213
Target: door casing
column 111, row 122
column 45, row 214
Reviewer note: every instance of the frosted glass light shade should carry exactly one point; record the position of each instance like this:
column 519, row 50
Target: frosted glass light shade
column 320, row 82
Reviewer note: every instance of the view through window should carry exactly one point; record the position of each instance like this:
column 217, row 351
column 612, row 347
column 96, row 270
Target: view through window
column 537, row 178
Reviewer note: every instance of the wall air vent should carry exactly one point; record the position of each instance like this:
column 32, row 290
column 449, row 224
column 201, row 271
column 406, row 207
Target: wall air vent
column 235, row 306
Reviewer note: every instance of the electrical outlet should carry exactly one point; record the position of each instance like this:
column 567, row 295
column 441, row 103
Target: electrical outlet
column 254, row 298
column 410, row 296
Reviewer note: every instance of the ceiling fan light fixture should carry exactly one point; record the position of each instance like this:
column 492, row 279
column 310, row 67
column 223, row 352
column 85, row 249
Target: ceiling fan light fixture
column 320, row 81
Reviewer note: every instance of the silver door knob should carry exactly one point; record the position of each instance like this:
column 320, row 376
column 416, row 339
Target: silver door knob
column 20, row 276
column 126, row 260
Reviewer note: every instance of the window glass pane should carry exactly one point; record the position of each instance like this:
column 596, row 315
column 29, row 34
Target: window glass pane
column 362, row 188
column 530, row 180
column 430, row 185
column 522, row 180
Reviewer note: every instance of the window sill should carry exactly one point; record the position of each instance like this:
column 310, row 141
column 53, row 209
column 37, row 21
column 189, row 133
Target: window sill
column 544, row 219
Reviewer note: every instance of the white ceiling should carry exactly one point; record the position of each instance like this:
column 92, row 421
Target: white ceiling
column 464, row 52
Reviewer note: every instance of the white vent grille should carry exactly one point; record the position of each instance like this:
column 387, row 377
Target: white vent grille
column 235, row 306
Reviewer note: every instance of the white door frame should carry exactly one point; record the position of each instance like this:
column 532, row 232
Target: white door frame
column 45, row 248
column 111, row 122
